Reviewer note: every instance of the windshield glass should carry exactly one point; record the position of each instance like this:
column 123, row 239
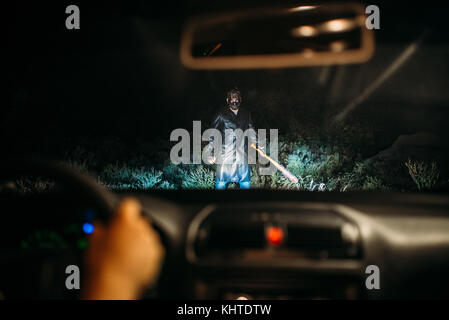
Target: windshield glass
column 113, row 99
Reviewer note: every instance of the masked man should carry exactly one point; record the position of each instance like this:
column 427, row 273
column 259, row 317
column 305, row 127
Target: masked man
column 233, row 163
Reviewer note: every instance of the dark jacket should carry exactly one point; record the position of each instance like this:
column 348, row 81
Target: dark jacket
column 234, row 166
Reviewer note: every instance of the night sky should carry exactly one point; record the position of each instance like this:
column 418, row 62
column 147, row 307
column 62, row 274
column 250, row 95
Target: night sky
column 120, row 75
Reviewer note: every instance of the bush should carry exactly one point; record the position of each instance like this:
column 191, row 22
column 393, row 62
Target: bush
column 360, row 178
column 79, row 166
column 199, row 177
column 425, row 175
column 174, row 174
column 318, row 165
column 122, row 177
column 312, row 165
column 33, row 185
column 79, row 158
column 373, row 184
column 167, row 186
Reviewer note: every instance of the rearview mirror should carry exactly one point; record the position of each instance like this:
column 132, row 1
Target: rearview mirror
column 280, row 37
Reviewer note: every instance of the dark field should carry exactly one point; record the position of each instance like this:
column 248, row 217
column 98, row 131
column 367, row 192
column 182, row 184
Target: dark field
column 105, row 100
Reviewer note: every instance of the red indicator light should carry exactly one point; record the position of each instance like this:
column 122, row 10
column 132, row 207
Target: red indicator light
column 274, row 235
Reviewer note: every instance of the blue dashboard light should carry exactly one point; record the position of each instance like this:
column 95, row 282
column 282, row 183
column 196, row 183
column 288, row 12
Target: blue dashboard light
column 88, row 228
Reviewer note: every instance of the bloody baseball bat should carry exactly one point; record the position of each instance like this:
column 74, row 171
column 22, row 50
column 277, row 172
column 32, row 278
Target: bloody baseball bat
column 284, row 171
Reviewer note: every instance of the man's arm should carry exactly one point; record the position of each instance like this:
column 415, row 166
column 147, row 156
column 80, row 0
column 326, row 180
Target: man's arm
column 252, row 137
column 217, row 123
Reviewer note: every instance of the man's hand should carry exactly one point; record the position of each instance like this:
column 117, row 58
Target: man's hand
column 211, row 159
column 123, row 257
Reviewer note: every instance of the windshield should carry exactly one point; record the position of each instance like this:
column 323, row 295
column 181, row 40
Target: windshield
column 114, row 100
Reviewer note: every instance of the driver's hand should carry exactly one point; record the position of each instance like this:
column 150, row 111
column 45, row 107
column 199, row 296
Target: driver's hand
column 123, row 257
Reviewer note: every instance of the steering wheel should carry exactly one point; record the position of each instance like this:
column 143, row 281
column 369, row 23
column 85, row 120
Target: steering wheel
column 83, row 186
column 78, row 182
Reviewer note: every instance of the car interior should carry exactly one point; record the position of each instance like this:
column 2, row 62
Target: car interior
column 136, row 71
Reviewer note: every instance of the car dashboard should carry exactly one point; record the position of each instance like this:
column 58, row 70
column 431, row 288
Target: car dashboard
column 242, row 245
column 256, row 244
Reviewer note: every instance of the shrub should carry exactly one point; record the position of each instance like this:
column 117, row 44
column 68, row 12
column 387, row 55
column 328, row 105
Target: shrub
column 199, row 177
column 80, row 166
column 167, row 186
column 312, row 165
column 122, row 177
column 425, row 175
column 373, row 184
column 360, row 178
column 33, row 185
column 174, row 174
column 79, row 158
